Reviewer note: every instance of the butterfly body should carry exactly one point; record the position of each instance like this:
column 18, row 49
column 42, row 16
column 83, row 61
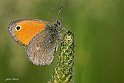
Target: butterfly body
column 41, row 38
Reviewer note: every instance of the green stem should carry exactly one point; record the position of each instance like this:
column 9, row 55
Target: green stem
column 64, row 68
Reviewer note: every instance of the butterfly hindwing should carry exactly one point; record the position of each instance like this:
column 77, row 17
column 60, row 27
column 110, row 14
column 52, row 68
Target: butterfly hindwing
column 42, row 47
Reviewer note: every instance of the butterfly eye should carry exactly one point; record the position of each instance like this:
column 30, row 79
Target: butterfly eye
column 18, row 28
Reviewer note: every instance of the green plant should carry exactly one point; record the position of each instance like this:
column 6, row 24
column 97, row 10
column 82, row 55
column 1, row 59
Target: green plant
column 65, row 60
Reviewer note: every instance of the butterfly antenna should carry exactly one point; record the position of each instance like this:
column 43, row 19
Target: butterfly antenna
column 60, row 9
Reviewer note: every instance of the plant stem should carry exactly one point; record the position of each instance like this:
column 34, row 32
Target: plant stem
column 65, row 60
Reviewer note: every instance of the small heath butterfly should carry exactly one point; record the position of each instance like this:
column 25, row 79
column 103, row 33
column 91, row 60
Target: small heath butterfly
column 40, row 38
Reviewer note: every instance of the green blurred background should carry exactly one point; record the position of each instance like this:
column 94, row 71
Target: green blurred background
column 98, row 26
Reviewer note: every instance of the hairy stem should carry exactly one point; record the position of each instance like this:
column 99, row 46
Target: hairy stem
column 65, row 60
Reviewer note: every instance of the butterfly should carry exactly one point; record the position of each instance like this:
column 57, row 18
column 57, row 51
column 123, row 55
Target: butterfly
column 40, row 38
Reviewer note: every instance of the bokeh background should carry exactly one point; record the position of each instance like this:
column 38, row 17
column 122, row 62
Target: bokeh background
column 98, row 26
